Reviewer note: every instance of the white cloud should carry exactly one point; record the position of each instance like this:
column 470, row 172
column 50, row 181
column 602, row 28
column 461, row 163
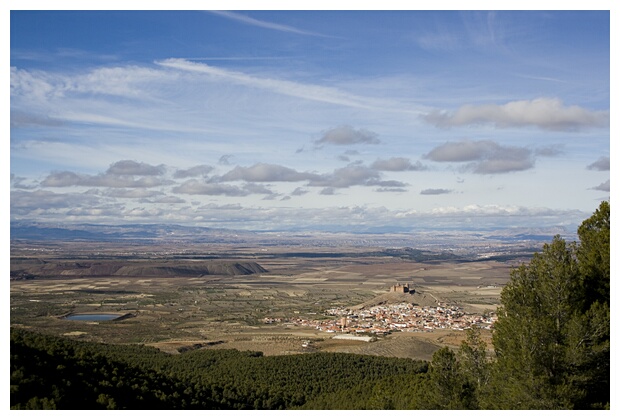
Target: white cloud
column 86, row 214
column 602, row 164
column 127, row 193
column 390, row 190
column 397, row 164
column 486, row 157
column 435, row 191
column 26, row 202
column 195, row 187
column 348, row 176
column 46, row 205
column 131, row 167
column 199, row 170
column 605, row 186
column 345, row 135
column 142, row 212
column 259, row 189
column 299, row 191
column 521, row 161
column 121, row 81
column 265, row 172
column 69, row 179
column 544, row 113
column 225, row 159
column 31, row 84
column 462, row 151
column 18, row 183
column 490, row 210
column 163, row 200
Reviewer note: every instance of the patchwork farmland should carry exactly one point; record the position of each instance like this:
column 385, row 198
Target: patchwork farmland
column 227, row 308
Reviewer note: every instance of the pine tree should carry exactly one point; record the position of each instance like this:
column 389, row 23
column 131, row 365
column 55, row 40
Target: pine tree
column 474, row 362
column 446, row 386
column 552, row 335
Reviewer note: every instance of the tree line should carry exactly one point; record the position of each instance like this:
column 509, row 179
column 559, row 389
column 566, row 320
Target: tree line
column 551, row 343
column 49, row 372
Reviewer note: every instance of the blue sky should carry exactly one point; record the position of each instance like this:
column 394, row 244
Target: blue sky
column 313, row 120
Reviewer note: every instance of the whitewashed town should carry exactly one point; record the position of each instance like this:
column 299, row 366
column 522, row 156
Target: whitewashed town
column 386, row 318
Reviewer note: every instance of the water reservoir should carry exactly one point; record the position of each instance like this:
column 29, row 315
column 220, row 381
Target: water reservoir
column 92, row 317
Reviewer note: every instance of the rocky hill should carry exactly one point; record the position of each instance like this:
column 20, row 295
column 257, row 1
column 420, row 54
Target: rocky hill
column 419, row 298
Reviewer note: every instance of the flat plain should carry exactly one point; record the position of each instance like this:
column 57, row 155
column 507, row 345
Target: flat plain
column 181, row 312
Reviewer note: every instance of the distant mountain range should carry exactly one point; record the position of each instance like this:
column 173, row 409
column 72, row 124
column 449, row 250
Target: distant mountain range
column 115, row 233
column 170, row 233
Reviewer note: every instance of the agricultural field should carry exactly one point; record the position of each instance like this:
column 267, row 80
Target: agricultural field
column 181, row 312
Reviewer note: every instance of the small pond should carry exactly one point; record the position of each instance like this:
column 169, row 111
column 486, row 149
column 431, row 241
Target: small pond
column 92, row 317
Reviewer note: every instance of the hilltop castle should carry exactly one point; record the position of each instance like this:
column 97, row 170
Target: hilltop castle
column 401, row 288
